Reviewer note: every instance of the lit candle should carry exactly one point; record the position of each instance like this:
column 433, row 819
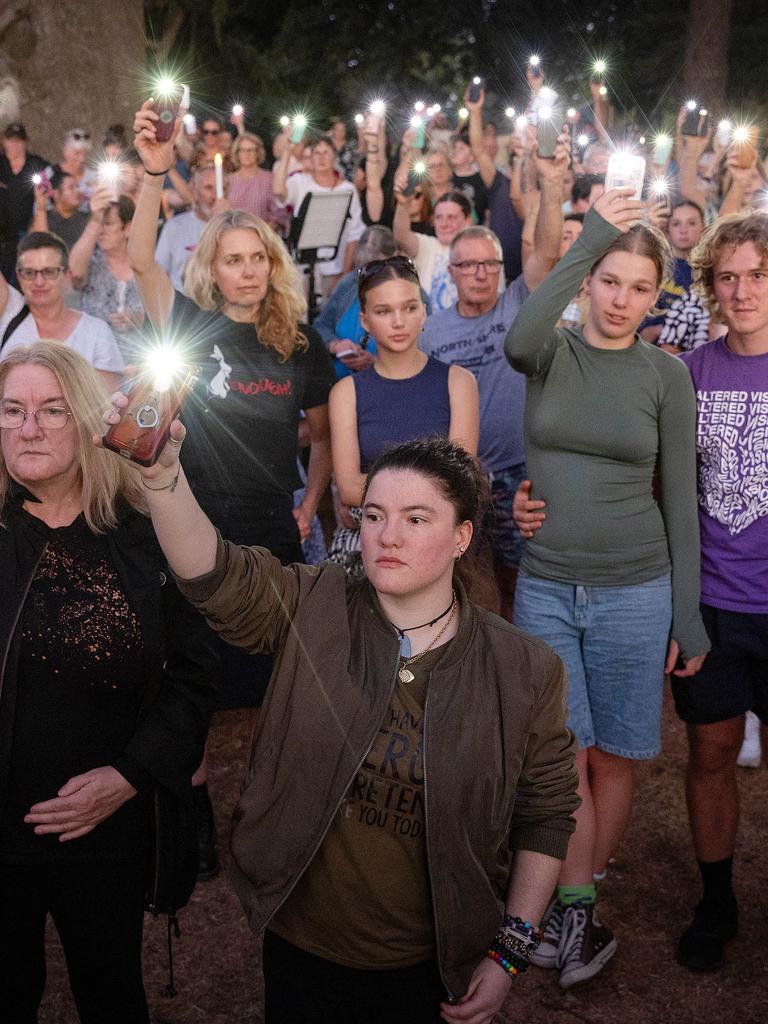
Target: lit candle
column 510, row 112
column 219, row 172
column 237, row 110
column 463, row 113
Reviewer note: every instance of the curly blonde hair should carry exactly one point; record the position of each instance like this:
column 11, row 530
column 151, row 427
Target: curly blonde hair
column 277, row 317
column 106, row 478
column 728, row 232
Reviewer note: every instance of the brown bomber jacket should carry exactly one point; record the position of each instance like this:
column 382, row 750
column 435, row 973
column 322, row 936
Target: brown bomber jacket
column 498, row 759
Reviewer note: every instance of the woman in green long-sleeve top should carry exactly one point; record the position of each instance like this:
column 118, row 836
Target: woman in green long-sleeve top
column 611, row 579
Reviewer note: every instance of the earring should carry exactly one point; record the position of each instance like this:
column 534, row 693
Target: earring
column 461, row 551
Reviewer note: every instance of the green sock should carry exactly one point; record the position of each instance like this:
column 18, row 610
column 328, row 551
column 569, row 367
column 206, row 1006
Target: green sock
column 570, row 894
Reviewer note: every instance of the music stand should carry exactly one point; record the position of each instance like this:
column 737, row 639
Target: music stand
column 316, row 232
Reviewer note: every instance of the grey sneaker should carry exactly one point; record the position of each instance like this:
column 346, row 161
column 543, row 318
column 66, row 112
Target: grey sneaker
column 546, row 955
column 586, row 945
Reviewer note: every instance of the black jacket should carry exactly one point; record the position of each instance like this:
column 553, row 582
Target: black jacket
column 179, row 669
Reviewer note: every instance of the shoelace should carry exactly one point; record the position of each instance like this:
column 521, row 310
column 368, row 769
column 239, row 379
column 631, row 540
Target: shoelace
column 574, row 928
column 554, row 926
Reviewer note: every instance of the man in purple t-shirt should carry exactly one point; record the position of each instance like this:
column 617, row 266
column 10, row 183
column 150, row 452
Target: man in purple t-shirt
column 731, row 381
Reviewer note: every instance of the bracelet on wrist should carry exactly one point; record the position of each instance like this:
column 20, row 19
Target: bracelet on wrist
column 167, row 487
column 157, row 174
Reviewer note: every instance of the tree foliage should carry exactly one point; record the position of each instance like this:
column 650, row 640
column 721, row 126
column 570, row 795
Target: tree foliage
column 333, row 55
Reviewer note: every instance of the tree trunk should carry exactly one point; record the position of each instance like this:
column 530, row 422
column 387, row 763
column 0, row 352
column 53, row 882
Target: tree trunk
column 705, row 69
column 73, row 65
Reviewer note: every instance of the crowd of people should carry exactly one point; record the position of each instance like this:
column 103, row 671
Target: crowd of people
column 458, row 528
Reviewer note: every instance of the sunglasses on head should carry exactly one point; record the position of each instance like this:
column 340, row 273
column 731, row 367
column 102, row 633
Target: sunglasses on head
column 374, row 266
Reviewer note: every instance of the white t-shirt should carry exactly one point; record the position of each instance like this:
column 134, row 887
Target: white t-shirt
column 92, row 338
column 301, row 184
column 178, row 240
column 14, row 306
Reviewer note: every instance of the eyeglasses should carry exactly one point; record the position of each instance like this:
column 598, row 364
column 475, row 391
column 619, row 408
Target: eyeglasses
column 211, row 131
column 468, row 267
column 374, row 266
column 80, row 136
column 50, row 417
column 30, row 273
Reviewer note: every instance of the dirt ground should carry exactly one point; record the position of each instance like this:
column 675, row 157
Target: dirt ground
column 647, row 899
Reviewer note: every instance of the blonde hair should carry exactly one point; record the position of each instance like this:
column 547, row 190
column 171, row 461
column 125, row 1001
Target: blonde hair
column 249, row 137
column 105, row 478
column 276, row 318
column 729, row 232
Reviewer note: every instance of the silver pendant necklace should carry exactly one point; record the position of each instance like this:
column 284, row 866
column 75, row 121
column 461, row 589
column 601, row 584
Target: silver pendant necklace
column 404, row 673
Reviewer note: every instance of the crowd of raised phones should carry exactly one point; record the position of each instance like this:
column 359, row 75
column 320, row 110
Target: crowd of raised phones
column 533, row 391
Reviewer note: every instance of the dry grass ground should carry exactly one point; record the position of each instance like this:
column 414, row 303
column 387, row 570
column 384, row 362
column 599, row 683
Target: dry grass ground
column 647, row 899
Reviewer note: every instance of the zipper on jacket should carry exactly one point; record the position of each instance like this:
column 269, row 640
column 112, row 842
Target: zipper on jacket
column 19, row 610
column 325, row 831
column 153, row 907
column 451, row 996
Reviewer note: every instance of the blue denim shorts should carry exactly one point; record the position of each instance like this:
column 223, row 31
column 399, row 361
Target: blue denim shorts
column 613, row 642
column 506, row 542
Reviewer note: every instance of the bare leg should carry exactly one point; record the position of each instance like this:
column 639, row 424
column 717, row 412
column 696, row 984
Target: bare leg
column 711, row 789
column 612, row 780
column 577, row 868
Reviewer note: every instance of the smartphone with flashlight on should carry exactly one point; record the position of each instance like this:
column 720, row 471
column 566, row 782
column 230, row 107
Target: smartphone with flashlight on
column 416, row 173
column 546, row 133
column 475, row 88
column 170, row 104
column 154, row 401
column 696, row 121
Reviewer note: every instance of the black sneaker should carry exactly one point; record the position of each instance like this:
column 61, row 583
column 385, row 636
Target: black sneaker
column 586, row 944
column 703, row 942
column 546, row 954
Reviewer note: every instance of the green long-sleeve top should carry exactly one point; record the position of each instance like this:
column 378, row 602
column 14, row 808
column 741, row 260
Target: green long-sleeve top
column 597, row 421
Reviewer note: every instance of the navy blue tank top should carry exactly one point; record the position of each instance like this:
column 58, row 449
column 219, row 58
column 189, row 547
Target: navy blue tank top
column 390, row 412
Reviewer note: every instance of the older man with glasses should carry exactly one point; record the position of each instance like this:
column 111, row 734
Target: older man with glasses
column 471, row 333
column 42, row 270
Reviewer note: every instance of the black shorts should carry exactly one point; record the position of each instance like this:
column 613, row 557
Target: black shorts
column 734, row 677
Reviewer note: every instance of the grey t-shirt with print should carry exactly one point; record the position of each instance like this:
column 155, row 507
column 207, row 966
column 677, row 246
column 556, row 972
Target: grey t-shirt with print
column 477, row 343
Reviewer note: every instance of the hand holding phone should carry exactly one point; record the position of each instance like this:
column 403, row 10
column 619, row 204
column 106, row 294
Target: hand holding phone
column 145, row 423
column 172, row 103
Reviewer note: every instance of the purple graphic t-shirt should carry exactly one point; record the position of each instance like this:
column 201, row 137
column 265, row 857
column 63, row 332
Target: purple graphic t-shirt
column 732, row 452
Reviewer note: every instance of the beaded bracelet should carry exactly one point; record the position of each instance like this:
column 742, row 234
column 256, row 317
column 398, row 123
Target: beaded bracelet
column 513, row 944
column 517, row 924
column 512, row 967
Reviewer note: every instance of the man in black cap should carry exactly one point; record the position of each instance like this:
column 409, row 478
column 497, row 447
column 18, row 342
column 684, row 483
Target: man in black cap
column 17, row 166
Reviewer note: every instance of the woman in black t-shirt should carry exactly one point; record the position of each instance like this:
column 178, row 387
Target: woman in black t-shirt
column 260, row 369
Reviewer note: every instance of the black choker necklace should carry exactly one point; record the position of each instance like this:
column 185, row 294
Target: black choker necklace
column 405, row 642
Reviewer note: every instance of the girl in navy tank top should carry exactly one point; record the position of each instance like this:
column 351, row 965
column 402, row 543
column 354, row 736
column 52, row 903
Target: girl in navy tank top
column 405, row 395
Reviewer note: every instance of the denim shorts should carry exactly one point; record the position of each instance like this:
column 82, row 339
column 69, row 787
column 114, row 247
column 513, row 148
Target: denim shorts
column 613, row 642
column 506, row 542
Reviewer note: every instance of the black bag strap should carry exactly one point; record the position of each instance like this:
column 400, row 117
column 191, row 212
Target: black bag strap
column 21, row 315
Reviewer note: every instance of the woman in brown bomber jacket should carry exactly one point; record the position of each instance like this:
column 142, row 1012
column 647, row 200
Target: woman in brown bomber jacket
column 411, row 786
